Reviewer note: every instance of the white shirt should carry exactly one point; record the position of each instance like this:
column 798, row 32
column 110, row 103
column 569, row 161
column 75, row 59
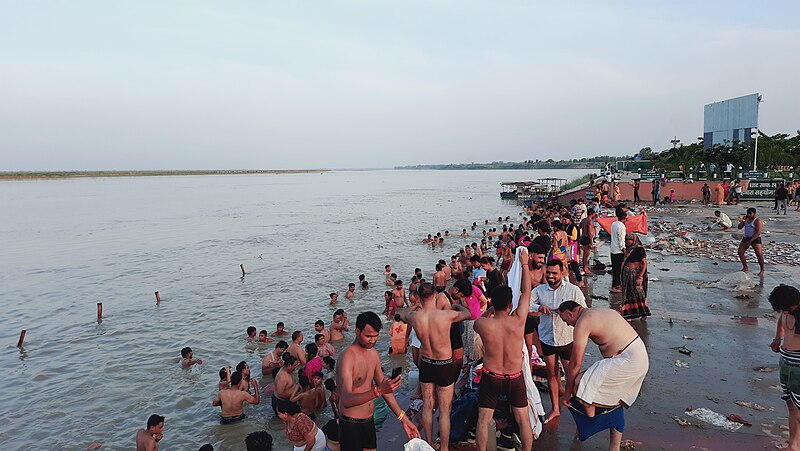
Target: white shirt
column 618, row 232
column 724, row 220
column 553, row 330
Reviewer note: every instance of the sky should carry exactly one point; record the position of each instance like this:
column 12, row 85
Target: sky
column 117, row 85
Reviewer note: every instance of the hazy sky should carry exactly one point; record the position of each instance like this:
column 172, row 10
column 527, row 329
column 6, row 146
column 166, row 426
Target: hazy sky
column 343, row 84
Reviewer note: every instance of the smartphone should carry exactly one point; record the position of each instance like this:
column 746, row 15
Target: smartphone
column 397, row 371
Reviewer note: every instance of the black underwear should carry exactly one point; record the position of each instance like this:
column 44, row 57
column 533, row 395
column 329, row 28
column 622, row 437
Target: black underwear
column 355, row 434
column 439, row 372
column 229, row 420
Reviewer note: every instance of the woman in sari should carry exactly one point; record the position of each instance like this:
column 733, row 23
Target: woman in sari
column 634, row 279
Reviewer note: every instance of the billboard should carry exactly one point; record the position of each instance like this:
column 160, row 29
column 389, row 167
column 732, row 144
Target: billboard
column 730, row 120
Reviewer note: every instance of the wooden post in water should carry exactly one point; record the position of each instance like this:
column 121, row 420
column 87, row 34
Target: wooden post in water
column 242, row 266
column 21, row 338
column 99, row 311
column 158, row 298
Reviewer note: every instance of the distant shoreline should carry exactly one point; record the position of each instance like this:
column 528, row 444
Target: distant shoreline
column 24, row 175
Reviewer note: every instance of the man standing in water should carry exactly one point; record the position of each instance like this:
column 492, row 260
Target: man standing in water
column 147, row 439
column 285, row 384
column 752, row 237
column 786, row 299
column 436, row 370
column 617, row 378
column 555, row 335
column 360, row 366
column 502, row 361
column 339, row 325
column 295, row 347
column 231, row 400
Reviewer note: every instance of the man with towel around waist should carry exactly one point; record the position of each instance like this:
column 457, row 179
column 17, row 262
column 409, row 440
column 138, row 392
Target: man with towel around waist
column 617, row 378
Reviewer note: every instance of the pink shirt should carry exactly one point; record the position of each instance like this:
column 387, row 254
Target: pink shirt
column 474, row 302
column 312, row 366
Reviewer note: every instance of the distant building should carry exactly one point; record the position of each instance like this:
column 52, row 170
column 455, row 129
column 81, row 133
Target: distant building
column 730, row 121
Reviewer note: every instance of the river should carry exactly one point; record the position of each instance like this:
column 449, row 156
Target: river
column 69, row 244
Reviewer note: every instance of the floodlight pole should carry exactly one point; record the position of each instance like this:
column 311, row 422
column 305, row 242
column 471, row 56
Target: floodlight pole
column 755, row 152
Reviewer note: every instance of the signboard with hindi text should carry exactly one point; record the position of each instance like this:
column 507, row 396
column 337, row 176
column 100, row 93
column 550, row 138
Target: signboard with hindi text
column 761, row 189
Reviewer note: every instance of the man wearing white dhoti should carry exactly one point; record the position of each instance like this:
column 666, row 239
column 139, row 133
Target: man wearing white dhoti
column 617, row 378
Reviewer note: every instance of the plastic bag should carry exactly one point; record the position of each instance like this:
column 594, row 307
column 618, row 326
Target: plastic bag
column 736, row 281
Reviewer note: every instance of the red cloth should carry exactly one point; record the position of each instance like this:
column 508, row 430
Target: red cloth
column 636, row 223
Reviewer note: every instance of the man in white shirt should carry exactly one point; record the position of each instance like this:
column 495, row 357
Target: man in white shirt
column 554, row 334
column 618, row 232
column 723, row 220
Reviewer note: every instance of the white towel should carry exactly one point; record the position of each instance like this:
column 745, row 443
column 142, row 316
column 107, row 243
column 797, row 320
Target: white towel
column 535, row 407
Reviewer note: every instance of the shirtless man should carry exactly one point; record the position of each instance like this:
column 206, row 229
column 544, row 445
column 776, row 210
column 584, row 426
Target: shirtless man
column 617, row 378
column 334, row 297
column 296, row 348
column 273, row 359
column 225, row 377
column 251, row 334
column 263, row 338
column 360, row 366
column 502, row 335
column 455, row 267
column 436, row 370
column 319, row 327
column 244, row 369
column 391, row 280
column 280, row 330
column 537, row 254
column 399, row 294
column 448, row 274
column 439, row 279
column 587, row 238
column 285, row 385
column 308, row 397
column 351, row 290
column 147, row 439
column 339, row 325
column 786, row 299
column 324, row 349
column 187, row 359
column 231, row 400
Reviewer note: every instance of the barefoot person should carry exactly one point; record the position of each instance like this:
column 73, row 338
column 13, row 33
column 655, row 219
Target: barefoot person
column 502, row 361
column 752, row 237
column 617, row 378
column 360, row 366
column 231, row 400
column 436, row 370
column 147, row 439
column 786, row 299
column 555, row 335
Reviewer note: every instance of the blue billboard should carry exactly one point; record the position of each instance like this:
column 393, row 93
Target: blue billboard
column 730, row 120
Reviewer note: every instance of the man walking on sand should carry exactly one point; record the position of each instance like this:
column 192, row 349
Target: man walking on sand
column 786, row 299
column 436, row 369
column 752, row 226
column 554, row 334
column 358, row 368
column 617, row 378
column 502, row 361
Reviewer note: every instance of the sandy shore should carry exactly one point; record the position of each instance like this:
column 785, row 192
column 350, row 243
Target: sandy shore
column 74, row 174
column 728, row 336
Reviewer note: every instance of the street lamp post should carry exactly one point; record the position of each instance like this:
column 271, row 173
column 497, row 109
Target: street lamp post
column 755, row 152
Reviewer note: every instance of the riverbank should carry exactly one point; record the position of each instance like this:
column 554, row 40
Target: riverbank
column 731, row 369
column 22, row 175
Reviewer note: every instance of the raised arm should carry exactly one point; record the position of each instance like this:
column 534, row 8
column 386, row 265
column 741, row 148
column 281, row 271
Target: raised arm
column 254, row 399
column 525, row 296
column 461, row 313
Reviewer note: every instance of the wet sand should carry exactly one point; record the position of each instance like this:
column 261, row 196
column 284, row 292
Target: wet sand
column 730, row 361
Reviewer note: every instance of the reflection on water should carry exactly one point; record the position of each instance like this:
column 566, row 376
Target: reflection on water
column 69, row 244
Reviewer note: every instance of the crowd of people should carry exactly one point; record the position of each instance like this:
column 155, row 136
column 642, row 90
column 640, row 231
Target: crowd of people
column 465, row 329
